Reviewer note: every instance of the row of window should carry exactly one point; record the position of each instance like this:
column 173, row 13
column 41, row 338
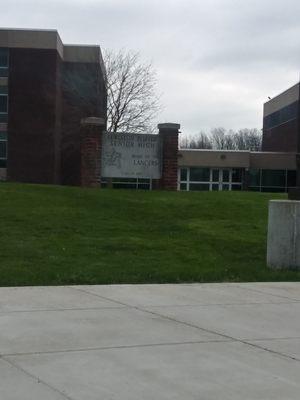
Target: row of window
column 127, row 183
column 4, row 64
column 286, row 114
column 211, row 174
column 268, row 180
column 218, row 179
column 263, row 180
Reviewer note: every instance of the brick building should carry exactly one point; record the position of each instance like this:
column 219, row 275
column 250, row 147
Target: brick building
column 46, row 88
column 271, row 170
column 281, row 122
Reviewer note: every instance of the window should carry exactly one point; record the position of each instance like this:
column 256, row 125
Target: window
column 254, row 177
column 3, row 118
column 3, row 58
column 215, row 175
column 3, row 149
column 3, row 135
column 225, row 175
column 183, row 174
column 3, row 103
column 199, row 174
column 237, row 175
column 275, row 178
column 3, row 89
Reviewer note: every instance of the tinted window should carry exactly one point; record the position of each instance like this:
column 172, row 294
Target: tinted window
column 3, row 118
column 3, row 104
column 279, row 117
column 273, row 178
column 200, row 174
column 2, row 149
column 225, row 175
column 254, row 177
column 183, row 174
column 3, row 58
column 237, row 175
column 3, row 135
column 3, row 89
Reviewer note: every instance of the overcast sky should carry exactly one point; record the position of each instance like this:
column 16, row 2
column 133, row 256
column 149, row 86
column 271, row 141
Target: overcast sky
column 217, row 60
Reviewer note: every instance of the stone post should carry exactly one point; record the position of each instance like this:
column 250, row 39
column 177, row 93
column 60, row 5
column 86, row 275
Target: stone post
column 284, row 234
column 91, row 142
column 169, row 140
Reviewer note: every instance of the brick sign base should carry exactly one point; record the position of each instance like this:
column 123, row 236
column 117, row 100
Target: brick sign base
column 91, row 143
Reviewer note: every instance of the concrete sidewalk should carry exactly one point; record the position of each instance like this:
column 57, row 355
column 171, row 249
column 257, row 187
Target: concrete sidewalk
column 145, row 342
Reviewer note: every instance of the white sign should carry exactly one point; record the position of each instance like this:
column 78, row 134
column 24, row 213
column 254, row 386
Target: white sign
column 131, row 156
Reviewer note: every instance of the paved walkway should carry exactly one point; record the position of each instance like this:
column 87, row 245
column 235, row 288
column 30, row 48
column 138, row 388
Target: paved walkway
column 146, row 342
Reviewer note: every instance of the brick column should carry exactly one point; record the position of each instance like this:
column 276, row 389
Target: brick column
column 169, row 139
column 91, row 141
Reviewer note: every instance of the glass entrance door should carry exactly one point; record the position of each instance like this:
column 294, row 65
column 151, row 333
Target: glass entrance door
column 220, row 178
column 205, row 178
column 225, row 179
column 215, row 179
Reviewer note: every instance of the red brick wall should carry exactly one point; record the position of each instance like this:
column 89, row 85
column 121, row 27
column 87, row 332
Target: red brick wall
column 169, row 137
column 33, row 138
column 90, row 150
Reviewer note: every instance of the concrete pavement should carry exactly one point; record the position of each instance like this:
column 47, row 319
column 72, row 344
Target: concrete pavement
column 209, row 341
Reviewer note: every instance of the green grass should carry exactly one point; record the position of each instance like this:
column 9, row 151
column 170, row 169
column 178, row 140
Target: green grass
column 60, row 235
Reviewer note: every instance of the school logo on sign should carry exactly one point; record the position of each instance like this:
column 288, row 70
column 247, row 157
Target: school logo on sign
column 131, row 156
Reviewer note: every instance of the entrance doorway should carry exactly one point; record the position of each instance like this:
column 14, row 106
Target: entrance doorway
column 217, row 179
column 221, row 179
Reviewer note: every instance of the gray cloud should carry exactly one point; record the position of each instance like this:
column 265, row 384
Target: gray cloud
column 217, row 60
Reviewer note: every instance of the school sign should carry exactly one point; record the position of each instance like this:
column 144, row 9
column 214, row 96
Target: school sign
column 123, row 155
column 131, row 156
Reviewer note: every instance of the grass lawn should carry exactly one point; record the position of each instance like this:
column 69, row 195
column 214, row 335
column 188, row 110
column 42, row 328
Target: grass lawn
column 61, row 235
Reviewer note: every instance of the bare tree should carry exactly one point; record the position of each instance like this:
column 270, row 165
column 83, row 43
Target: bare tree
column 131, row 87
column 200, row 141
column 221, row 139
column 248, row 139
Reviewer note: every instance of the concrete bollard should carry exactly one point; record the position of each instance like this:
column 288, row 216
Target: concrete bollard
column 283, row 250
